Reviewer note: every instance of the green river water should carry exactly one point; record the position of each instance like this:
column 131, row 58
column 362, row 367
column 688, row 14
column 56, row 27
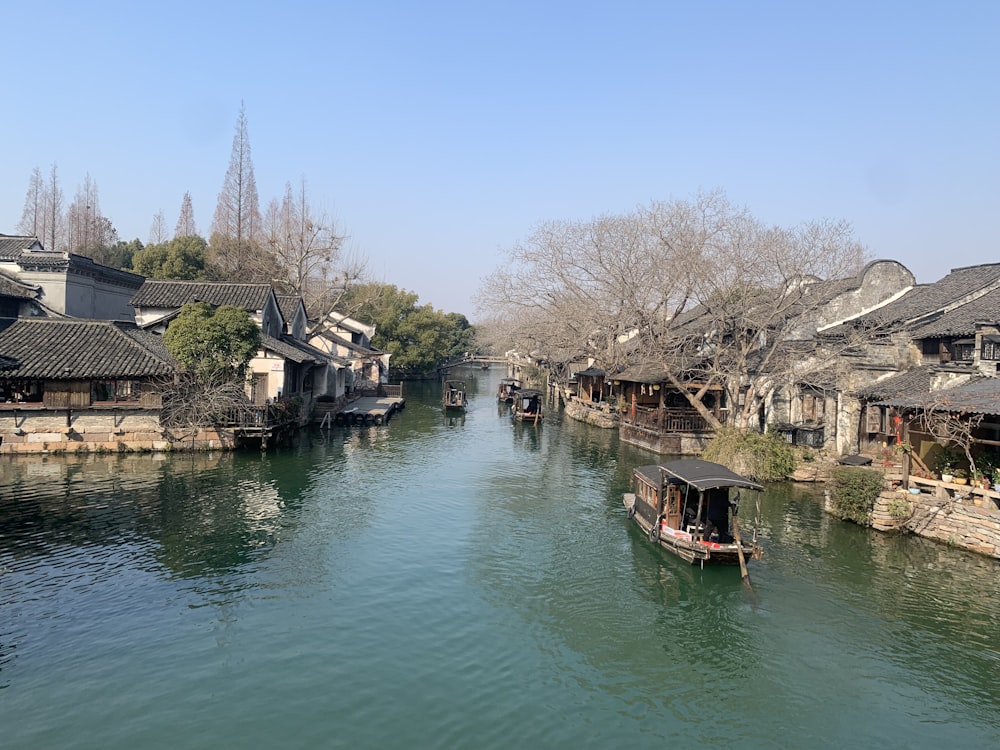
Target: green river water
column 463, row 582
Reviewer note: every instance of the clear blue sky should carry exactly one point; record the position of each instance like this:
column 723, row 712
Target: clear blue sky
column 437, row 134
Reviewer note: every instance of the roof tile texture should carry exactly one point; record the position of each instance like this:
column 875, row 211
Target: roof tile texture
column 70, row 349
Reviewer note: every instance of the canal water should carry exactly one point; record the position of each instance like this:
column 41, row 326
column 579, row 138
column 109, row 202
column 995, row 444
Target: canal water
column 444, row 582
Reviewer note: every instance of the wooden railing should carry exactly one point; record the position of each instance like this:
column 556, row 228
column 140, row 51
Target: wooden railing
column 668, row 419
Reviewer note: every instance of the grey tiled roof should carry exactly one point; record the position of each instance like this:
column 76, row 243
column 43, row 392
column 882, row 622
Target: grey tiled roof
column 912, row 384
column 980, row 396
column 11, row 246
column 962, row 320
column 290, row 349
column 173, row 294
column 928, row 298
column 348, row 344
column 289, row 306
column 68, row 349
column 648, row 372
column 912, row 389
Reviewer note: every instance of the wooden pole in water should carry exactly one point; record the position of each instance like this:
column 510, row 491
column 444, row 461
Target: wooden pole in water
column 744, row 573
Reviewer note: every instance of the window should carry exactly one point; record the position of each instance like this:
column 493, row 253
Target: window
column 963, row 350
column 873, row 419
column 105, row 391
column 813, row 407
column 991, row 348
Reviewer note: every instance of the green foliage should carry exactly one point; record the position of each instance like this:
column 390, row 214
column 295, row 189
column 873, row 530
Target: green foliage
column 854, row 491
column 419, row 338
column 213, row 343
column 181, row 258
column 900, row 508
column 120, row 254
column 763, row 458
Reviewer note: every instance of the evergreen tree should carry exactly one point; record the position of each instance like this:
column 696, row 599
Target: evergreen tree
column 213, row 344
column 182, row 258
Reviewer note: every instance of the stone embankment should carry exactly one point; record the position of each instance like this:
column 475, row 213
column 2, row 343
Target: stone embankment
column 961, row 520
column 592, row 415
column 958, row 515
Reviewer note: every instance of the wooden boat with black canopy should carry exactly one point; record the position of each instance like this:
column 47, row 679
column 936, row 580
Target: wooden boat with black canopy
column 453, row 398
column 527, row 406
column 689, row 507
column 507, row 389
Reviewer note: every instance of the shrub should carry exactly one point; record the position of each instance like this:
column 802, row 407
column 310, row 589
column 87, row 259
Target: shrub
column 763, row 458
column 900, row 508
column 854, row 492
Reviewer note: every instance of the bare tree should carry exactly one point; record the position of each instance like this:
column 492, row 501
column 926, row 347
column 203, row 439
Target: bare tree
column 89, row 232
column 700, row 286
column 190, row 402
column 305, row 246
column 158, row 230
column 81, row 218
column 185, row 221
column 237, row 223
column 605, row 289
column 33, row 215
column 951, row 424
column 54, row 225
column 758, row 287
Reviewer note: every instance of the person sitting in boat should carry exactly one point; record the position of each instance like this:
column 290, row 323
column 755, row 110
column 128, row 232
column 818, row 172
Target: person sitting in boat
column 718, row 515
column 532, row 407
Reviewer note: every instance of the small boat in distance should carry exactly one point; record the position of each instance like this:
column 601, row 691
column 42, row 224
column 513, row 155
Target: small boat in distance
column 687, row 508
column 527, row 406
column 454, row 398
column 507, row 388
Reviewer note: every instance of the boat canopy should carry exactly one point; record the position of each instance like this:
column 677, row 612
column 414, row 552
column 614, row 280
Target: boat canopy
column 702, row 475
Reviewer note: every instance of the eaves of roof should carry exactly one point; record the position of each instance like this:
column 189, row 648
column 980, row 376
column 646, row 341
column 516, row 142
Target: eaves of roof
column 287, row 350
column 347, row 343
column 978, row 396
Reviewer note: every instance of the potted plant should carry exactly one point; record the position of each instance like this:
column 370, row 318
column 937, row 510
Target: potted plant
column 944, row 465
column 961, row 476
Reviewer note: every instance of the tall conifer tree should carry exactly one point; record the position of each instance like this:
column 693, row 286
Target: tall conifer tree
column 237, row 223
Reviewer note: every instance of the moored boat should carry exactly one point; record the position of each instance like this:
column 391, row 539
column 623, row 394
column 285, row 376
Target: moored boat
column 454, row 398
column 527, row 406
column 689, row 507
column 507, row 389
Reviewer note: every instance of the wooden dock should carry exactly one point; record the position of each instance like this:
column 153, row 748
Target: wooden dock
column 366, row 410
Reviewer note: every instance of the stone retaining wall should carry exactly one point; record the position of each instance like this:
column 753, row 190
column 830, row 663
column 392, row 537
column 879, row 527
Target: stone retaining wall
column 954, row 520
column 99, row 431
column 579, row 411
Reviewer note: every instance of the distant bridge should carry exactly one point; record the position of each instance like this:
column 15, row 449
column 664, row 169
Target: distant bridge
column 472, row 359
